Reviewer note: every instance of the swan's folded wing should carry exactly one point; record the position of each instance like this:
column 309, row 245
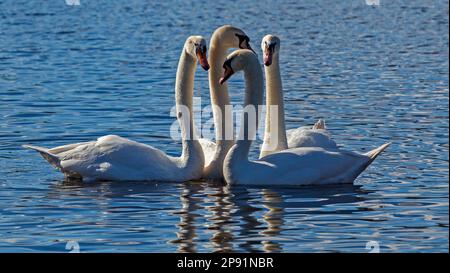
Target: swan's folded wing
column 302, row 137
column 65, row 148
column 315, row 165
column 114, row 157
column 291, row 132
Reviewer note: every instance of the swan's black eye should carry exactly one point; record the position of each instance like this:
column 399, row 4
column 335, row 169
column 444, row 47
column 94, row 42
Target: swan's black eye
column 180, row 114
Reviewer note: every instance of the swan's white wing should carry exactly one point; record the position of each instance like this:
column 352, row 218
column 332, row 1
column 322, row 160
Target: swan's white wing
column 304, row 136
column 64, row 148
column 113, row 158
column 320, row 166
column 116, row 158
column 296, row 131
column 305, row 166
column 209, row 149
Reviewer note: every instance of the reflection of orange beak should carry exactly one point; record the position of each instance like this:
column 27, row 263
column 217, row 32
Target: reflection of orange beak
column 268, row 53
column 226, row 74
column 201, row 56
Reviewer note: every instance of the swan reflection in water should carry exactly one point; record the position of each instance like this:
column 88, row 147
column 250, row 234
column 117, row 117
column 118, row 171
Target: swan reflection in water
column 188, row 215
column 198, row 216
column 251, row 219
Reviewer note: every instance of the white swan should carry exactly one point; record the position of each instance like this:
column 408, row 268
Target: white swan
column 115, row 158
column 296, row 166
column 304, row 136
column 223, row 38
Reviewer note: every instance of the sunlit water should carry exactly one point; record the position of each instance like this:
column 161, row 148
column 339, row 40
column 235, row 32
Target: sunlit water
column 74, row 73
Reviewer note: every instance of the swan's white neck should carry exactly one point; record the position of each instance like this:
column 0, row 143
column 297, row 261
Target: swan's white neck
column 219, row 92
column 275, row 130
column 238, row 155
column 221, row 108
column 192, row 154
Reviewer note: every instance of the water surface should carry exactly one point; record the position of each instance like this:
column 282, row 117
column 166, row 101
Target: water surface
column 75, row 73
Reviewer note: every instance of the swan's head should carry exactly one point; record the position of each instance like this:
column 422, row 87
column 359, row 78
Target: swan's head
column 232, row 37
column 237, row 61
column 196, row 47
column 270, row 46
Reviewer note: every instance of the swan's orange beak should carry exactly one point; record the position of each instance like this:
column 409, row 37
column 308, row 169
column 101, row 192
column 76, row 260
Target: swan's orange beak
column 227, row 73
column 268, row 54
column 201, row 56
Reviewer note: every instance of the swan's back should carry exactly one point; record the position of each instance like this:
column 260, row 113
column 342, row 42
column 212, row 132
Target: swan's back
column 307, row 137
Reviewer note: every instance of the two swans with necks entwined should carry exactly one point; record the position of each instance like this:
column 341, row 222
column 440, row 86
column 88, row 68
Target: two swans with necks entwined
column 115, row 158
column 276, row 137
column 223, row 38
column 296, row 166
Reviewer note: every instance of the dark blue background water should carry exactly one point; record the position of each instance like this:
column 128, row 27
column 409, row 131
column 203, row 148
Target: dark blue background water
column 74, row 73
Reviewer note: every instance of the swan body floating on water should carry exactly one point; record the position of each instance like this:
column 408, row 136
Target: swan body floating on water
column 316, row 136
column 223, row 38
column 115, row 158
column 296, row 166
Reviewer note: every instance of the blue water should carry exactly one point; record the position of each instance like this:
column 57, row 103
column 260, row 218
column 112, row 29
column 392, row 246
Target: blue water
column 74, row 73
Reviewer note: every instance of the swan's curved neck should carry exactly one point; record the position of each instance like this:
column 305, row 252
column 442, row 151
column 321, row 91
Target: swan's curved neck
column 219, row 93
column 192, row 153
column 221, row 108
column 249, row 126
column 275, row 130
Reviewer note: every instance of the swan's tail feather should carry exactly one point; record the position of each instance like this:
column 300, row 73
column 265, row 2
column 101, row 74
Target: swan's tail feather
column 371, row 157
column 375, row 152
column 51, row 158
column 320, row 124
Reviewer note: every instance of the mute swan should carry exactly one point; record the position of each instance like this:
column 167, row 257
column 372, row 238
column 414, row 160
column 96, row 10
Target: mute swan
column 223, row 38
column 115, row 158
column 296, row 166
column 317, row 136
